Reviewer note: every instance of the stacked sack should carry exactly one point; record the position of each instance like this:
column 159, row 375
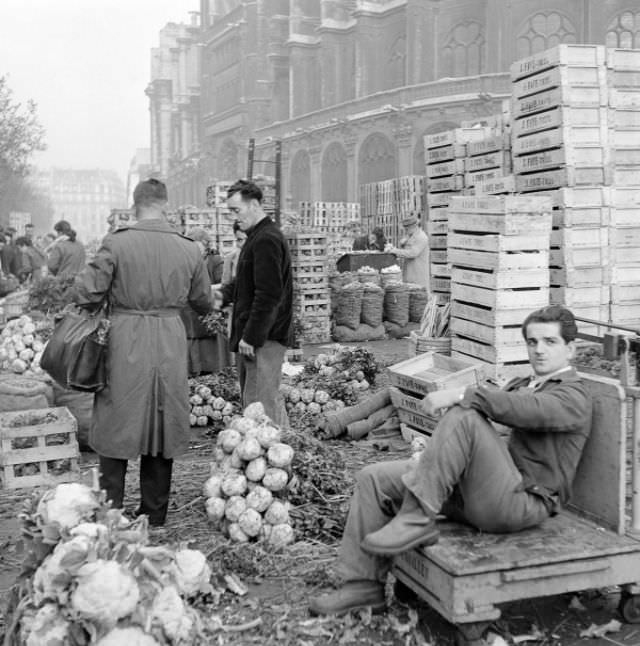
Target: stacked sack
column 246, row 490
column 358, row 309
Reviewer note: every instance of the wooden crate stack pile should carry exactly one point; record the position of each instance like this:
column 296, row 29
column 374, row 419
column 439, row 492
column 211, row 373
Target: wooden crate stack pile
column 499, row 252
column 414, row 378
column 120, row 218
column 445, row 154
column 368, row 205
column 218, row 222
column 386, row 216
column 311, row 298
column 216, row 194
column 409, row 196
column 623, row 77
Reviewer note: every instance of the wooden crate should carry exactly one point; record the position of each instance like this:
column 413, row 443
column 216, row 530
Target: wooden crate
column 581, row 217
column 500, row 298
column 624, row 137
column 625, row 175
column 497, row 242
column 446, row 153
column 409, row 403
column 561, row 116
column 625, row 293
column 505, row 261
column 438, row 241
column 437, row 227
column 409, row 433
column 500, row 372
column 455, row 136
column 489, row 315
column 438, row 255
column 24, row 448
column 453, row 167
column 497, row 159
column 501, row 279
column 489, row 175
column 576, row 157
column 625, row 312
column 565, row 54
column 440, row 269
column 567, row 176
column 624, row 274
column 432, row 371
column 582, row 277
column 562, row 137
column 492, row 144
column 440, row 284
column 489, row 205
column 578, row 257
column 515, row 352
column 626, row 156
column 572, row 97
column 499, row 186
column 445, row 184
column 582, row 237
column 497, row 335
column 569, row 296
column 625, row 236
column 564, row 77
column 582, row 196
column 438, row 200
column 508, row 224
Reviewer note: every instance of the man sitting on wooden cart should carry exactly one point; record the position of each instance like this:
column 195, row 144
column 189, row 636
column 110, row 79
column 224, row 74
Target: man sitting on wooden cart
column 467, row 472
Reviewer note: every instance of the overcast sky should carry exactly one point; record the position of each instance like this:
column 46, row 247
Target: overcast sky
column 86, row 64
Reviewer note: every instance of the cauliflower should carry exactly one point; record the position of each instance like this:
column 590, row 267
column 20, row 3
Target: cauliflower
column 259, row 499
column 249, row 449
column 300, row 408
column 227, row 409
column 170, row 611
column 277, row 514
column 48, row 627
column 215, row 508
column 294, row 395
column 267, row 435
column 234, row 507
column 132, row 636
column 241, row 424
column 329, row 406
column 314, row 408
column 281, row 535
column 213, row 486
column 255, row 412
column 196, row 400
column 67, row 504
column 229, row 439
column 192, row 572
column 106, row 592
column 321, row 397
column 275, row 479
column 218, row 456
column 18, row 365
column 280, row 455
column 204, row 392
column 235, row 460
column 256, row 469
column 250, row 522
column 202, row 420
column 307, row 395
column 218, row 403
column 27, row 354
column 236, row 534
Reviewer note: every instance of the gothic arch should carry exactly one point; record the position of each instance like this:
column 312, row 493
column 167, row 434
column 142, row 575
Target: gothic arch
column 228, row 160
column 377, row 159
column 463, row 52
column 334, row 173
column 542, row 31
column 300, row 178
column 624, row 30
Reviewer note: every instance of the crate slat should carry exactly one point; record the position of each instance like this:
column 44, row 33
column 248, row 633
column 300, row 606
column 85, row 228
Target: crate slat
column 500, row 298
column 565, row 54
column 499, row 260
column 506, row 279
column 488, row 315
column 562, row 137
column 493, row 335
column 507, row 225
column 567, row 176
column 498, row 186
column 492, row 354
column 497, row 242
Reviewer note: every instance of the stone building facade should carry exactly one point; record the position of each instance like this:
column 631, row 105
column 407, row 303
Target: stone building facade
column 351, row 86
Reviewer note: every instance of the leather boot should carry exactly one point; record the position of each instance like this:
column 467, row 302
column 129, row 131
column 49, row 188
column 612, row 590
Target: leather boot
column 353, row 595
column 411, row 527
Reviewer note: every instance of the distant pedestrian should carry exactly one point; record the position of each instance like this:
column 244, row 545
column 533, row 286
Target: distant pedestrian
column 66, row 255
column 231, row 259
column 262, row 296
column 32, row 260
column 10, row 255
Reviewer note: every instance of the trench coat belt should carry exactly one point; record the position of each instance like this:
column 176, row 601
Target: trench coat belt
column 166, row 312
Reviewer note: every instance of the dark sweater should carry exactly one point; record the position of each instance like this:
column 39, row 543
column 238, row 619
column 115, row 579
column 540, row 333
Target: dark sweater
column 549, row 429
column 262, row 292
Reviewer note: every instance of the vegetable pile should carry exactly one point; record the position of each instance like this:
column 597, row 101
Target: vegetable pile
column 89, row 577
column 214, row 399
column 21, row 347
column 245, row 494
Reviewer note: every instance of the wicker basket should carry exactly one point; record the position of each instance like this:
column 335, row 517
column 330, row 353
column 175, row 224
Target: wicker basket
column 372, row 306
column 348, row 306
column 390, row 277
column 421, row 344
column 396, row 304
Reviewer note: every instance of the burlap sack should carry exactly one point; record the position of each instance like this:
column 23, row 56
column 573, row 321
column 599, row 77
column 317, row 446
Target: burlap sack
column 396, row 304
column 372, row 305
column 348, row 306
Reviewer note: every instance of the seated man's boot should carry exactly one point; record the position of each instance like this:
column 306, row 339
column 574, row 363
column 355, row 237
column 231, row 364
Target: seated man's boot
column 353, row 595
column 410, row 527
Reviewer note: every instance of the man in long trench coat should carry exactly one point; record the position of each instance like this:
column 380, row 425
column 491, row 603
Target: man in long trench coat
column 149, row 272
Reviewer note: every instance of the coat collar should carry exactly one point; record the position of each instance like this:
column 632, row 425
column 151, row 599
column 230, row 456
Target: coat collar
column 155, row 224
column 564, row 375
column 260, row 225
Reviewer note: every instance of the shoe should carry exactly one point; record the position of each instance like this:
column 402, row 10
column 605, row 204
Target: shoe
column 353, row 595
column 410, row 528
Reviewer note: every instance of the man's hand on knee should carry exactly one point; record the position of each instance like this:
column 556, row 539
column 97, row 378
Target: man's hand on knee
column 442, row 399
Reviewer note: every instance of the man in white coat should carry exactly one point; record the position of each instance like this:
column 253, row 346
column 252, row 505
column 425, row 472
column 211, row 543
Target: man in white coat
column 414, row 248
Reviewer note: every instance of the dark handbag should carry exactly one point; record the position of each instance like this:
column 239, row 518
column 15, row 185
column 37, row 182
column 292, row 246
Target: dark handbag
column 75, row 355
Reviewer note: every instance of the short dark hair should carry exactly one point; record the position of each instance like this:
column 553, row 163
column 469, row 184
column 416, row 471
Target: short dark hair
column 64, row 228
column 236, row 226
column 554, row 314
column 149, row 191
column 23, row 241
column 248, row 190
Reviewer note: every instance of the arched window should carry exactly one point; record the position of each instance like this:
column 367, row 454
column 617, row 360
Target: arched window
column 463, row 53
column 334, row 173
column 542, row 31
column 228, row 160
column 377, row 159
column 300, row 178
column 624, row 30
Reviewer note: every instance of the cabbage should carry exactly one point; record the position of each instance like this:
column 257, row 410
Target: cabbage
column 307, row 395
column 267, row 435
column 204, row 392
column 234, row 484
column 277, row 513
column 256, row 469
column 192, row 419
column 275, row 479
column 170, row 611
column 229, row 439
column 218, row 403
column 67, row 504
column 300, row 408
column 254, row 412
column 235, row 460
column 106, row 592
column 314, row 408
column 215, row 508
column 192, row 572
column 294, row 395
column 202, row 420
column 132, row 636
column 241, row 424
column 195, row 400
column 259, row 499
column 321, row 397
column 227, row 409
column 18, row 366
column 249, row 449
column 280, row 455
column 236, row 534
column 250, row 522
column 213, row 486
column 234, row 507
column 281, row 535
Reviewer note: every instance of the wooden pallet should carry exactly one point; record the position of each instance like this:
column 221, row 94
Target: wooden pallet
column 497, row 335
column 563, row 137
column 500, row 298
column 489, row 315
column 570, row 296
column 504, row 185
column 496, row 354
column 592, row 116
column 36, row 429
column 504, row 261
column 566, row 54
column 509, row 224
column 567, row 176
column 498, row 242
column 501, row 279
column 575, row 97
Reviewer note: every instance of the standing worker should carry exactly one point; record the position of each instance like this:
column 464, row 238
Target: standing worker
column 414, row 248
column 262, row 296
column 148, row 272
column 66, row 255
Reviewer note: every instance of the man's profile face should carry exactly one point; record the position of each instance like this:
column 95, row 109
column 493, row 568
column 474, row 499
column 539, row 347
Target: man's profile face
column 245, row 211
column 548, row 351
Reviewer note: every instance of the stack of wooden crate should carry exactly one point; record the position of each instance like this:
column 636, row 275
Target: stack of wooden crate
column 623, row 76
column 311, row 298
column 218, row 222
column 499, row 252
column 488, row 160
column 216, row 194
column 368, row 205
column 329, row 217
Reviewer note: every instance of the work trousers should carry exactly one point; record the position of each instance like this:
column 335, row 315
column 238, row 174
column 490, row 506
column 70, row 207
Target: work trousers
column 260, row 380
column 465, row 472
column 155, row 484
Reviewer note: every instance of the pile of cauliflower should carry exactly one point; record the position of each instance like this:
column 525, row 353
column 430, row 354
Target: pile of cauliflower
column 245, row 493
column 208, row 409
column 299, row 399
column 97, row 581
column 21, row 346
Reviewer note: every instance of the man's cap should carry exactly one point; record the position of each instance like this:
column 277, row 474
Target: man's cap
column 408, row 221
column 149, row 190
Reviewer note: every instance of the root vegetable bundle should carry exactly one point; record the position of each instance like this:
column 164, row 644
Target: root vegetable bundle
column 214, row 399
column 21, row 347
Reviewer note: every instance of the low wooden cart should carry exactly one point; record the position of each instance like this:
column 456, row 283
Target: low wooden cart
column 468, row 574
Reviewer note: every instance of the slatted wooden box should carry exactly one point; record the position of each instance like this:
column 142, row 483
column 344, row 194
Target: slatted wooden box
column 565, row 54
column 38, row 448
